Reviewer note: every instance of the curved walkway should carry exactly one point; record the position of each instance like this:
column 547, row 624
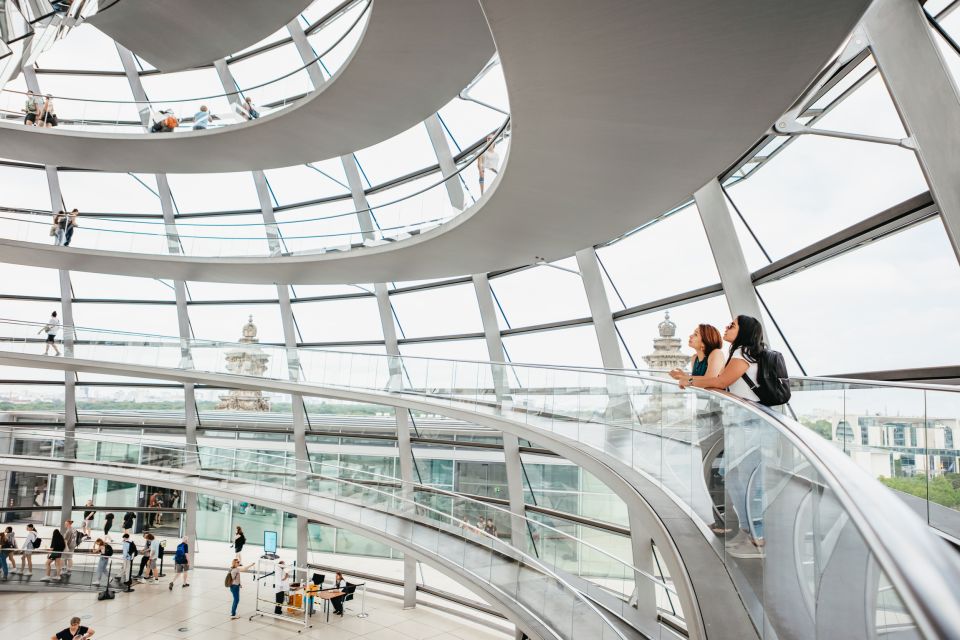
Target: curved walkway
column 612, row 125
column 415, row 56
column 661, row 464
column 174, row 35
column 486, row 571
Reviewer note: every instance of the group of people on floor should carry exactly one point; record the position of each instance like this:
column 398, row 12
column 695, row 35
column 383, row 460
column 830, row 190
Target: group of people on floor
column 39, row 111
column 63, row 226
column 166, row 120
column 65, row 543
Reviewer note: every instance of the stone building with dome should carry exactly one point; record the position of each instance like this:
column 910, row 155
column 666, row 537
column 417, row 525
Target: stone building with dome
column 666, row 354
column 248, row 359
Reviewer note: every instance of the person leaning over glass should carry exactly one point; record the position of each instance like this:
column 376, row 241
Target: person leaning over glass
column 743, row 450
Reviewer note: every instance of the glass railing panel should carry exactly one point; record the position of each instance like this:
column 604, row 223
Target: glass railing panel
column 773, row 517
column 942, row 457
column 342, row 31
column 373, row 501
column 906, row 436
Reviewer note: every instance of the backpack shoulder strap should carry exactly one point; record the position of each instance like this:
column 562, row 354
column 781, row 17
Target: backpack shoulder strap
column 750, row 383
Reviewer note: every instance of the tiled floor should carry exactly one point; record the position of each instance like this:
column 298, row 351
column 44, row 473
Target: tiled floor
column 202, row 611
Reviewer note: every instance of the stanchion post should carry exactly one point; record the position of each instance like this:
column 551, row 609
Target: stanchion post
column 363, row 602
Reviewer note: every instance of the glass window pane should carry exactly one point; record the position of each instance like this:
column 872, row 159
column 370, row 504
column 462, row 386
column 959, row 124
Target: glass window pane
column 574, row 346
column 203, row 192
column 31, row 191
column 863, row 311
column 818, row 186
column 542, row 294
column 668, row 257
column 339, row 320
column 111, row 193
column 214, row 322
column 438, row 311
column 402, row 154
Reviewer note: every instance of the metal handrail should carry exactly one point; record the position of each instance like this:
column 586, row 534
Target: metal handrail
column 524, row 557
column 335, row 13
column 498, row 134
column 920, row 590
column 924, row 577
column 380, row 478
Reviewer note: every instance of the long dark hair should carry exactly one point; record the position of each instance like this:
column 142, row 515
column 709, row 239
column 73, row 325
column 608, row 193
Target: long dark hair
column 749, row 339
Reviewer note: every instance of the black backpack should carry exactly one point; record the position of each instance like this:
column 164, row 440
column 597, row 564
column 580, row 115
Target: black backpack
column 773, row 384
column 133, row 549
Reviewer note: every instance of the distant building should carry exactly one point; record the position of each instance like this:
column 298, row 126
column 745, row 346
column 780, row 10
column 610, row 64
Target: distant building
column 666, row 354
column 915, row 445
column 247, row 360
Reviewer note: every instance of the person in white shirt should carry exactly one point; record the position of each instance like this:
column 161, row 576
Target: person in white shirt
column 745, row 335
column 489, row 159
column 281, row 586
column 28, row 550
column 52, row 328
column 743, row 448
column 338, row 583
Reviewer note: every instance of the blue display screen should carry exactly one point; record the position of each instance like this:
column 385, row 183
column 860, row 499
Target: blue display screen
column 269, row 541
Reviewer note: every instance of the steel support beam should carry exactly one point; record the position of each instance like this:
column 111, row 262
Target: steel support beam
column 299, row 414
column 191, row 419
column 229, row 85
column 404, row 447
column 362, row 207
column 926, row 96
column 644, row 596
column 274, row 241
column 599, row 309
column 306, row 52
column 501, row 385
column 448, row 167
column 300, row 452
column 133, row 79
column 66, row 317
column 727, row 252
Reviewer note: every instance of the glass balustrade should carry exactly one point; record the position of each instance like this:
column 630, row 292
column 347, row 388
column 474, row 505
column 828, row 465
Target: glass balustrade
column 344, row 25
column 81, row 570
column 393, row 215
column 907, row 436
column 475, row 535
column 774, row 503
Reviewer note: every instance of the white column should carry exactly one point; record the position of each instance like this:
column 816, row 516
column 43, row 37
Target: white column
column 362, row 207
column 448, row 167
column 599, row 309
column 404, row 447
column 925, row 95
column 66, row 317
column 306, row 52
column 501, row 384
column 191, row 419
column 727, row 252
